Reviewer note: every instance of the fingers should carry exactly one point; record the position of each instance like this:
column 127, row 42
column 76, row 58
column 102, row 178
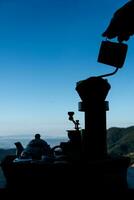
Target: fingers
column 121, row 25
column 122, row 38
column 109, row 34
column 122, row 34
column 112, row 29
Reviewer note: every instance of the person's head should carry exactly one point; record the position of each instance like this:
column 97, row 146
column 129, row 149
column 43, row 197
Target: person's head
column 37, row 136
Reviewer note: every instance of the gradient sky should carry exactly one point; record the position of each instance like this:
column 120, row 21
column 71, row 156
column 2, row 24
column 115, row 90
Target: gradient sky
column 46, row 46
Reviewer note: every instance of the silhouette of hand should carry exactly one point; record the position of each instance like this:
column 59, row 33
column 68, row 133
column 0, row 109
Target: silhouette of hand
column 122, row 23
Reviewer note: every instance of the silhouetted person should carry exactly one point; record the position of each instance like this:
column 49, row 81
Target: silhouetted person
column 122, row 23
column 36, row 148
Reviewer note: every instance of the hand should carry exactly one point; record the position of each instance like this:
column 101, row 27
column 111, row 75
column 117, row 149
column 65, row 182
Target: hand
column 122, row 23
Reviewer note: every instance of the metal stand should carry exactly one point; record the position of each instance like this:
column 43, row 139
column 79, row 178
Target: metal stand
column 93, row 92
column 112, row 172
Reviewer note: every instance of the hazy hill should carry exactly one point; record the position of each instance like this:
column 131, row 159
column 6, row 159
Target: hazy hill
column 121, row 141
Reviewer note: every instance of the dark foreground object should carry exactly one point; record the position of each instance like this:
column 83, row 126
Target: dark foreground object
column 78, row 178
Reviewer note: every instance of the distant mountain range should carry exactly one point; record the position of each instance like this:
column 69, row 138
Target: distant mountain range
column 120, row 141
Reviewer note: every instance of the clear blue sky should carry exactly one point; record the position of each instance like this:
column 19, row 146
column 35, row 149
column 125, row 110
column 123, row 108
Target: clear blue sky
column 46, row 46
